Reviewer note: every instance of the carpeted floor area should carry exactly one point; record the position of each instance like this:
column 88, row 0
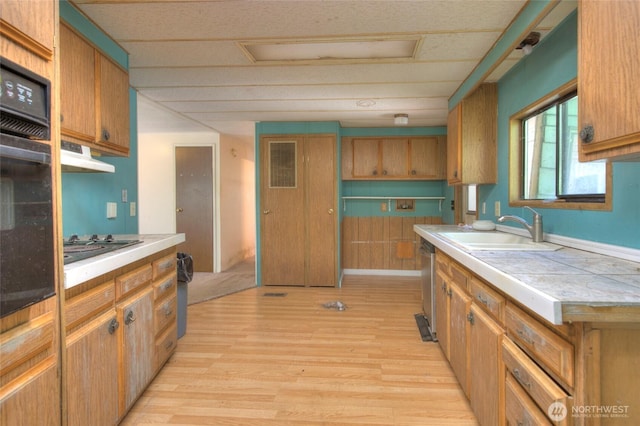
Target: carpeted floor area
column 206, row 286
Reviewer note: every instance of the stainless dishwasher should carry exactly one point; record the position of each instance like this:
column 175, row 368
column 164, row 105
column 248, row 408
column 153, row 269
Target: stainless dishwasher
column 428, row 278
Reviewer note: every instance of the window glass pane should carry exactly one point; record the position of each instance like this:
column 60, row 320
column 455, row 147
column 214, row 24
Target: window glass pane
column 539, row 133
column 282, row 164
column 576, row 178
column 471, row 198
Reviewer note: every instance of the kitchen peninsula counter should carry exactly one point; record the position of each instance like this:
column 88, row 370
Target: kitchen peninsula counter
column 87, row 269
column 566, row 285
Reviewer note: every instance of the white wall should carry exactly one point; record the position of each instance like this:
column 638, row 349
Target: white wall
column 237, row 200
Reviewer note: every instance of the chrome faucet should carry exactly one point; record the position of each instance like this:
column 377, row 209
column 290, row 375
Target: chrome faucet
column 535, row 229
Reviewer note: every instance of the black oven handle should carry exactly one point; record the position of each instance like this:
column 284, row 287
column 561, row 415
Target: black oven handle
column 24, row 155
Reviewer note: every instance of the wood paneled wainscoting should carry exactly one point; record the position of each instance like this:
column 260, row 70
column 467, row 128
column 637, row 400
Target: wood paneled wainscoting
column 382, row 242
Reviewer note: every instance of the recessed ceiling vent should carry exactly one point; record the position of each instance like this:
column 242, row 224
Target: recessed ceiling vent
column 352, row 50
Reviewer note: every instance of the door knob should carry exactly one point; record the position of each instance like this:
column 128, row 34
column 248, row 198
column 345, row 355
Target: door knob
column 267, row 211
column 179, row 209
column 330, row 211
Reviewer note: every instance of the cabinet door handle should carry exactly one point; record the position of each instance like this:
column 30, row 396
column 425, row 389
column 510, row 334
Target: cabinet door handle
column 413, row 172
column 483, row 300
column 129, row 318
column 524, row 335
column 113, row 326
column 587, row 133
column 520, row 379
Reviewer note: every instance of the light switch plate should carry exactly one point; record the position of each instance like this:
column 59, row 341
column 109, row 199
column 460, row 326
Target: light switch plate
column 497, row 208
column 112, row 210
column 132, row 208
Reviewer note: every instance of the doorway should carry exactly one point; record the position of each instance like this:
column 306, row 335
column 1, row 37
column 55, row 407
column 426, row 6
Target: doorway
column 194, row 203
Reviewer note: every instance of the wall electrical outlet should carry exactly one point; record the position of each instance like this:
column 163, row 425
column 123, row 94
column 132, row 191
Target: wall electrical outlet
column 124, row 196
column 497, row 208
column 383, row 207
column 132, row 208
column 484, row 207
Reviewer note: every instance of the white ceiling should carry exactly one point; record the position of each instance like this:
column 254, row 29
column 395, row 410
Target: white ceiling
column 188, row 63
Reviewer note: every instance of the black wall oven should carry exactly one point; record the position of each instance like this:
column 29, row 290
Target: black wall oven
column 26, row 207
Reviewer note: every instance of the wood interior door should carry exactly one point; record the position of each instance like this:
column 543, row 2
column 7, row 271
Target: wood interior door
column 321, row 210
column 282, row 232
column 194, row 204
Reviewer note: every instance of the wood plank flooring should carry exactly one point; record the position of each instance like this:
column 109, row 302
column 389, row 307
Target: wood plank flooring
column 251, row 359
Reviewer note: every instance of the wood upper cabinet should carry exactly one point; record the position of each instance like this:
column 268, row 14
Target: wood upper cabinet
column 77, row 87
column 394, row 158
column 113, row 98
column 472, row 138
column 94, row 96
column 31, row 24
column 608, row 83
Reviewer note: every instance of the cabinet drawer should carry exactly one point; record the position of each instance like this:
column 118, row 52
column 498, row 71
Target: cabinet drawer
column 459, row 275
column 490, row 300
column 550, row 350
column 539, row 386
column 165, row 287
column 519, row 408
column 442, row 263
column 22, row 343
column 164, row 265
column 164, row 314
column 89, row 304
column 165, row 345
column 135, row 279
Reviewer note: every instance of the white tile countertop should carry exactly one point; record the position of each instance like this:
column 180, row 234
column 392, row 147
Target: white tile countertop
column 565, row 285
column 84, row 270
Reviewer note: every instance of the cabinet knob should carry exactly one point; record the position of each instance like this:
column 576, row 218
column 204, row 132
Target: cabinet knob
column 384, row 172
column 413, row 172
column 470, row 318
column 106, row 135
column 587, row 133
column 455, row 173
column 113, row 326
column 129, row 318
column 179, row 210
column 375, row 172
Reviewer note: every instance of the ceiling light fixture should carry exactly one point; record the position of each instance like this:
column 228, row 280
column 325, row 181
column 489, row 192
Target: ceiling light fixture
column 401, row 119
column 527, row 44
column 366, row 103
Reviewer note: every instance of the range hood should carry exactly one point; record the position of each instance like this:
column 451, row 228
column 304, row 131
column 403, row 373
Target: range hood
column 76, row 158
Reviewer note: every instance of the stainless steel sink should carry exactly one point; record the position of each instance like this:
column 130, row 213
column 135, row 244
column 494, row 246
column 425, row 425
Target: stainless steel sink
column 471, row 241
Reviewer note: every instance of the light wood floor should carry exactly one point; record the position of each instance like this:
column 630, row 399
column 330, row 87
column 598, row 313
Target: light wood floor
column 250, row 359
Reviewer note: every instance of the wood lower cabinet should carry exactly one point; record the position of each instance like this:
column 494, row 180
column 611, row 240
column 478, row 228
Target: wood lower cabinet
column 92, row 371
column 459, row 331
column 299, row 221
column 121, row 329
column 35, row 400
column 136, row 348
column 394, row 158
column 608, row 100
column 486, row 368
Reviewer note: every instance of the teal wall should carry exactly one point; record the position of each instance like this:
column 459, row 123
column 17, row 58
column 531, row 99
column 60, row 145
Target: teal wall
column 553, row 63
column 85, row 195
